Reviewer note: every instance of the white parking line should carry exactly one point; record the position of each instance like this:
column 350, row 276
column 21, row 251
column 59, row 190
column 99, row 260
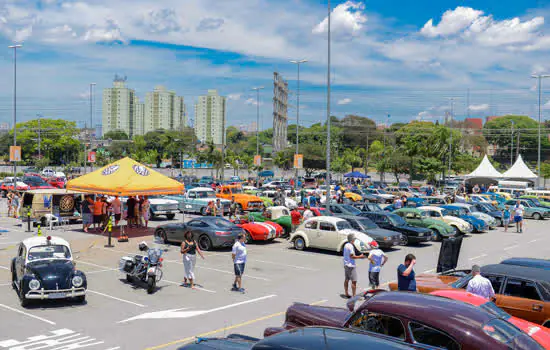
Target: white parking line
column 10, row 242
column 429, row 271
column 115, row 298
column 99, row 271
column 479, row 256
column 218, row 270
column 27, row 314
column 511, row 247
column 195, row 287
column 5, row 268
column 533, row 241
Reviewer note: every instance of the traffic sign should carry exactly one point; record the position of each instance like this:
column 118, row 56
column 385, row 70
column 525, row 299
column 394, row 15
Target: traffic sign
column 15, row 153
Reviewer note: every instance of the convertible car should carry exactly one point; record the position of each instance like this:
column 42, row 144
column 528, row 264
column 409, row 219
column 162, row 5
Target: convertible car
column 280, row 215
column 442, row 324
column 44, row 269
column 260, row 231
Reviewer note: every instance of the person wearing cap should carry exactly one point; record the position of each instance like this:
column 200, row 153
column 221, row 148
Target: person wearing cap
column 480, row 285
column 350, row 268
column 377, row 259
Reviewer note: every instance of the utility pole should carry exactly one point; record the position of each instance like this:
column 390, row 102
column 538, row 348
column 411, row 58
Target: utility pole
column 451, row 136
column 517, row 144
column 327, row 201
column 91, row 121
column 512, row 144
column 15, row 47
column 257, row 89
column 297, row 63
column 39, row 137
column 386, row 126
column 539, row 77
column 224, row 137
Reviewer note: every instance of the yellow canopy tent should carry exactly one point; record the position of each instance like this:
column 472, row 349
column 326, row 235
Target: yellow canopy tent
column 125, row 177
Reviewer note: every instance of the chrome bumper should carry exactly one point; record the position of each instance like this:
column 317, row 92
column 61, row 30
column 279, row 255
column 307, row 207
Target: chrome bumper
column 55, row 294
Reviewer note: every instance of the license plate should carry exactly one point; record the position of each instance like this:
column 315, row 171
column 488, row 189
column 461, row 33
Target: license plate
column 421, row 234
column 56, row 295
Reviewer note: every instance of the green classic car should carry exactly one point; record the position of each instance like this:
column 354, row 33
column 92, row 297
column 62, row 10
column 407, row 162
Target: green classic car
column 541, row 200
column 418, row 218
column 279, row 215
column 531, row 210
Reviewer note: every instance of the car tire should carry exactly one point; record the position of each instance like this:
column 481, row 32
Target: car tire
column 299, row 243
column 170, row 216
column 240, row 208
column 129, row 278
column 537, row 216
column 457, row 231
column 436, row 236
column 500, row 223
column 162, row 234
column 404, row 240
column 205, row 243
column 13, row 280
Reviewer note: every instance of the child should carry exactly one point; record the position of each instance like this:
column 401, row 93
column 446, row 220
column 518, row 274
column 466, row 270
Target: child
column 506, row 218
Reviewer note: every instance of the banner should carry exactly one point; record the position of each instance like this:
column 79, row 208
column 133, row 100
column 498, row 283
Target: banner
column 258, row 160
column 298, row 161
column 91, row 157
column 15, row 153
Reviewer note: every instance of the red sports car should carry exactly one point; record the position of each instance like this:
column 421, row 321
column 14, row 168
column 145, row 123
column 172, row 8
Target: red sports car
column 58, row 182
column 537, row 332
column 260, row 231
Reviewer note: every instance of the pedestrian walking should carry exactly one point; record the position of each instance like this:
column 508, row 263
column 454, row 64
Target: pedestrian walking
column 506, row 218
column 10, row 203
column 145, row 206
column 238, row 255
column 219, row 208
column 405, row 274
column 398, row 203
column 518, row 216
column 211, row 209
column 16, row 202
column 98, row 213
column 377, row 259
column 350, row 268
column 189, row 250
column 104, row 212
column 480, row 285
column 296, row 219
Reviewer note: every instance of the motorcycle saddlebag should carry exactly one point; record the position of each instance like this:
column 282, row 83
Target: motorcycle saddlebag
column 126, row 264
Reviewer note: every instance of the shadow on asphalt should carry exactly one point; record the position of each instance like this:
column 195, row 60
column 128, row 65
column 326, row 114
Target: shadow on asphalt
column 54, row 304
column 139, row 284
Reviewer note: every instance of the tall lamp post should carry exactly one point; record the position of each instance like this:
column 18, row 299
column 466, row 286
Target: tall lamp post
column 91, row 119
column 15, row 47
column 327, row 201
column 257, row 89
column 512, row 144
column 451, row 136
column 297, row 63
column 539, row 78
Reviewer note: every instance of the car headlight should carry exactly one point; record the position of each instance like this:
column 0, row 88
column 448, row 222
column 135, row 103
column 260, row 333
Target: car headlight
column 77, row 281
column 387, row 238
column 34, row 284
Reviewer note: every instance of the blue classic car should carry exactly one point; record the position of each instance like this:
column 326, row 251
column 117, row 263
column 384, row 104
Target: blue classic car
column 477, row 224
column 44, row 269
column 196, row 200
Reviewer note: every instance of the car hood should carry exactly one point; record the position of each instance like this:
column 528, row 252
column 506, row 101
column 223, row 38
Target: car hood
column 246, row 197
column 456, row 220
column 429, row 282
column 301, row 315
column 381, row 232
column 52, row 273
column 157, row 201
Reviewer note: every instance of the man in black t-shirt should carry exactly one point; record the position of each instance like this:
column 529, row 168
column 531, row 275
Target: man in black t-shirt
column 131, row 204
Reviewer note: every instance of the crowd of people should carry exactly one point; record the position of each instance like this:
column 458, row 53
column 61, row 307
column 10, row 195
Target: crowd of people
column 97, row 210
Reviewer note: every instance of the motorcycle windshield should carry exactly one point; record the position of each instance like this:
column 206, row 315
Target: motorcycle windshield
column 154, row 255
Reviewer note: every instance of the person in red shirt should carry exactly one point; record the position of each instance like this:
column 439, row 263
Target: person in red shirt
column 296, row 218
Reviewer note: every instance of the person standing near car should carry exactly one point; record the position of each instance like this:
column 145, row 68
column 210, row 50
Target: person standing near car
column 296, row 219
column 518, row 216
column 130, row 210
column 219, row 208
column 145, row 205
column 350, row 268
column 98, row 213
column 232, row 208
column 506, row 218
column 308, row 214
column 480, row 285
column 238, row 255
column 377, row 259
column 405, row 274
column 189, row 249
column 87, row 209
column 116, row 205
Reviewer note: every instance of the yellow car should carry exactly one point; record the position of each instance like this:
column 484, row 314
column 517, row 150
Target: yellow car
column 353, row 196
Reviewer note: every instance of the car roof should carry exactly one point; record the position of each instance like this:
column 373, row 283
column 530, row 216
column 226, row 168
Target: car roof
column 331, row 219
column 43, row 240
column 461, row 295
column 529, row 262
column 430, row 207
column 462, row 205
column 326, row 338
column 516, row 271
column 201, row 189
column 422, row 308
column 52, row 191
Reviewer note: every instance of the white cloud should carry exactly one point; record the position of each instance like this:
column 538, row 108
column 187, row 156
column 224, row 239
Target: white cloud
column 109, row 33
column 546, row 105
column 252, row 101
column 452, row 22
column 344, row 101
column 234, row 97
column 346, row 19
column 163, row 20
column 479, row 108
column 207, row 24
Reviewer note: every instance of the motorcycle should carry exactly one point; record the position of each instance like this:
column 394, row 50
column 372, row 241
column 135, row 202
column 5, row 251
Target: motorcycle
column 145, row 268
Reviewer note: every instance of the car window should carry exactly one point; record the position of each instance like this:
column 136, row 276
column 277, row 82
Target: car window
column 195, row 224
column 378, row 323
column 429, row 336
column 521, row 289
column 325, row 226
column 335, row 209
column 496, row 281
column 312, row 224
column 411, row 216
column 192, row 195
column 343, row 225
column 355, row 225
column 285, row 212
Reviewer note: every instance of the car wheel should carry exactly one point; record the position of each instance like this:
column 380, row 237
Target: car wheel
column 203, row 211
column 13, row 280
column 80, row 299
column 436, row 235
column 240, row 208
column 22, row 300
column 205, row 243
column 456, row 230
column 170, row 216
column 248, row 237
column 500, row 223
column 162, row 234
column 537, row 216
column 404, row 240
column 129, row 278
column 299, row 243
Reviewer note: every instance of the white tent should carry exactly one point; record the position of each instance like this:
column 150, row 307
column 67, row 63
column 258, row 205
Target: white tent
column 520, row 171
column 485, row 170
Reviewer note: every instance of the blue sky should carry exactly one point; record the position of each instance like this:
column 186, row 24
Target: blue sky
column 403, row 58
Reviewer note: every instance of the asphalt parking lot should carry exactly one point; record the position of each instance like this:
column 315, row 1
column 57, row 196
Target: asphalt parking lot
column 118, row 315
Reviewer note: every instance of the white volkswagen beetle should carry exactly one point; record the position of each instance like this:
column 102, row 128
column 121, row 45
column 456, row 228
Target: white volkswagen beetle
column 327, row 232
column 438, row 213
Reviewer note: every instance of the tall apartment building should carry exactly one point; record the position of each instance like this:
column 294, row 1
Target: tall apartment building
column 139, row 116
column 163, row 110
column 118, row 107
column 210, row 118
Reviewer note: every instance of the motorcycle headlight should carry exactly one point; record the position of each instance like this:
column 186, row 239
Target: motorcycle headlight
column 34, row 284
column 77, row 281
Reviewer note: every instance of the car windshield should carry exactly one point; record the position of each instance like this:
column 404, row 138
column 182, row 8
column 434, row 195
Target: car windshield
column 206, row 194
column 34, row 181
column 382, row 192
column 366, row 223
column 236, row 190
column 506, row 333
column 495, row 310
column 351, row 209
column 397, row 220
column 222, row 223
column 444, row 212
column 53, row 251
column 343, row 225
column 534, row 200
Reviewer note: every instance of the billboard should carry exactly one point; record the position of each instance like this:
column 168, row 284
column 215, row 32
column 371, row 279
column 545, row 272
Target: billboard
column 258, row 160
column 15, row 153
column 91, row 157
column 298, row 161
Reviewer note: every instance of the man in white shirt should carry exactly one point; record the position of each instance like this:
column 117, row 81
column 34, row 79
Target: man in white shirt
column 350, row 270
column 377, row 259
column 480, row 285
column 518, row 216
column 308, row 214
column 398, row 203
column 238, row 254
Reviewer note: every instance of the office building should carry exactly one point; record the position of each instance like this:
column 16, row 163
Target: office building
column 210, row 118
column 163, row 110
column 139, row 116
column 118, row 107
column 280, row 112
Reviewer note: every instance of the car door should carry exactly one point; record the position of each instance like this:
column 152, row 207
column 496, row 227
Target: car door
column 175, row 232
column 521, row 298
column 329, row 236
column 196, row 227
column 310, row 229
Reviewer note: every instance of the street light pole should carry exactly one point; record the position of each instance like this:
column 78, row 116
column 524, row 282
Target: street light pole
column 297, row 63
column 39, row 137
column 257, row 89
column 539, row 77
column 512, row 144
column 91, row 120
column 327, row 201
column 15, row 47
column 451, row 136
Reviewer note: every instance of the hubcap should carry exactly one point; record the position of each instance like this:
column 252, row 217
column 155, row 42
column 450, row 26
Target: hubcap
column 299, row 243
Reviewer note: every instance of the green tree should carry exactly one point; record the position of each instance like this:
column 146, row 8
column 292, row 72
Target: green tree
column 116, row 135
column 429, row 167
column 545, row 171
